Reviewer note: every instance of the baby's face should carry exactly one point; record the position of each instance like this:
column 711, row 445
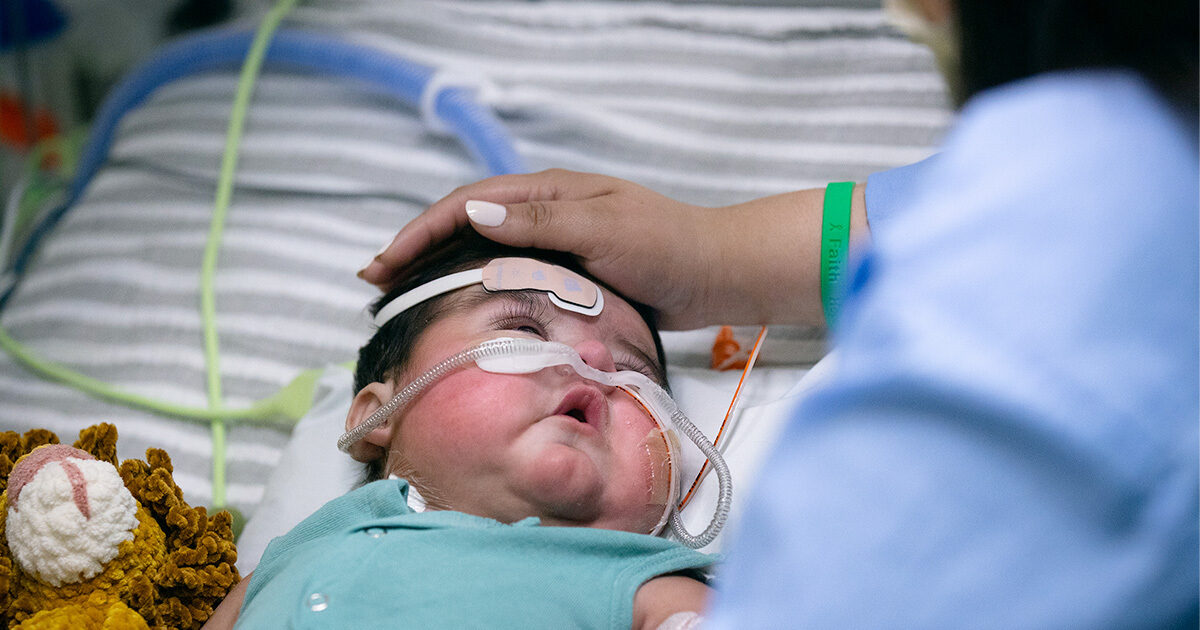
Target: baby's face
column 549, row 444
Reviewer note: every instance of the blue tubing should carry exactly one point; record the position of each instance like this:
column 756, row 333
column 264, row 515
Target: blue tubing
column 480, row 131
column 478, row 128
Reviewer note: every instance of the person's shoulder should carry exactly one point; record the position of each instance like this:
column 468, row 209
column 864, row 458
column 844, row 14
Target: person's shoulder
column 1105, row 88
column 1112, row 115
column 1087, row 147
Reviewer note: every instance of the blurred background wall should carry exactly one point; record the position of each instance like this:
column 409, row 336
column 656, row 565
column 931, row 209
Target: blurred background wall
column 59, row 57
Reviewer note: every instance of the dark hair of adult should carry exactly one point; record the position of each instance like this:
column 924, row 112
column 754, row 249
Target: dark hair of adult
column 1007, row 40
column 389, row 350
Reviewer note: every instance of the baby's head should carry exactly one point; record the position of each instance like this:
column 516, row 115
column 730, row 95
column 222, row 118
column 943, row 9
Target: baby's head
column 551, row 443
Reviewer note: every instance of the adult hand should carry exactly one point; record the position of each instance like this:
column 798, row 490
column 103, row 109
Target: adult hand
column 648, row 247
column 746, row 264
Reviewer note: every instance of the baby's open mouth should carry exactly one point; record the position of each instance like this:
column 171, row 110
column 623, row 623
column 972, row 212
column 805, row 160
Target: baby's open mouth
column 585, row 404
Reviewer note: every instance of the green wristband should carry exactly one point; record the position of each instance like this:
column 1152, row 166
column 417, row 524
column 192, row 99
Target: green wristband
column 835, row 241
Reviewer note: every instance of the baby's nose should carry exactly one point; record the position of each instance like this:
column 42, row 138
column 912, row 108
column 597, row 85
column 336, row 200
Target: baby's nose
column 596, row 354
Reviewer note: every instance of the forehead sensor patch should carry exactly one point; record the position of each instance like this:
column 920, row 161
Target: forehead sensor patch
column 565, row 288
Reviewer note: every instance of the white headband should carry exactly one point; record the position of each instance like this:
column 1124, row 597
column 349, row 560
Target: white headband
column 566, row 289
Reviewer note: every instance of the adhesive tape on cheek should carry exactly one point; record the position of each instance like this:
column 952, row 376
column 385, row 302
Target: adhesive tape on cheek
column 662, row 465
column 658, row 469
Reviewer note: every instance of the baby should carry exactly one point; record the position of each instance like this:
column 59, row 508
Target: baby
column 498, row 494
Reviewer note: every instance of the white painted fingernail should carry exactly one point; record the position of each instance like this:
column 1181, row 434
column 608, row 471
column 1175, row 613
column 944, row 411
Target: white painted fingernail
column 376, row 256
column 486, row 213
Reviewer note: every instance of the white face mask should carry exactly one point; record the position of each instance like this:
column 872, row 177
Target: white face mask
column 525, row 356
column 941, row 38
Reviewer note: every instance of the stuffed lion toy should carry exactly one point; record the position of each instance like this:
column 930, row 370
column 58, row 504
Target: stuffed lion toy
column 85, row 545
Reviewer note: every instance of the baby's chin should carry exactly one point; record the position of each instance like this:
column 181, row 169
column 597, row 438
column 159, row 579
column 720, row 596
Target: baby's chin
column 568, row 489
column 564, row 484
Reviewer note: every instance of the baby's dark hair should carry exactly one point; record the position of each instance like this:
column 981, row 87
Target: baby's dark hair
column 389, row 350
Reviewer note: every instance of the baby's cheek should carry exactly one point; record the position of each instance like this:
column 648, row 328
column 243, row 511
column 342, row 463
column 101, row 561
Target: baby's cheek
column 470, row 407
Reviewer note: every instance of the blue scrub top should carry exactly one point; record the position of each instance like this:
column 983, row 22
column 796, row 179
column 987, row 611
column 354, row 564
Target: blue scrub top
column 1010, row 437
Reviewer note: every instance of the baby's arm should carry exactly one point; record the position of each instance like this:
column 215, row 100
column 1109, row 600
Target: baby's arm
column 664, row 596
column 227, row 613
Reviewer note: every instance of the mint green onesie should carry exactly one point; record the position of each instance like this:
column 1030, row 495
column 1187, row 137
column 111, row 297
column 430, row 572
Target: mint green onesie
column 365, row 560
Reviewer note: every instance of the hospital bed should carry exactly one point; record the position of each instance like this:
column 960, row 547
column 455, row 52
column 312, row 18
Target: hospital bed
column 712, row 103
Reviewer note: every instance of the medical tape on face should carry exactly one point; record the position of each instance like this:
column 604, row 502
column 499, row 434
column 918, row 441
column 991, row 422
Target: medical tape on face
column 565, row 288
column 661, row 447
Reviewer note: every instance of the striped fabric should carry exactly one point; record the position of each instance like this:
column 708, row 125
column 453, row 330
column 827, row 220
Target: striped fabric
column 710, row 103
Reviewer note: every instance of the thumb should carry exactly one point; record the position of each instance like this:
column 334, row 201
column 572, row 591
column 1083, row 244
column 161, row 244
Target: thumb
column 575, row 226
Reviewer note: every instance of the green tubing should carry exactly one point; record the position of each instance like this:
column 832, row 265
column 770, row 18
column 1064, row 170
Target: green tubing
column 208, row 305
column 282, row 409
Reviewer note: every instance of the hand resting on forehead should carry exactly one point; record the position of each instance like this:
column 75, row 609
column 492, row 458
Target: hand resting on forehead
column 750, row 263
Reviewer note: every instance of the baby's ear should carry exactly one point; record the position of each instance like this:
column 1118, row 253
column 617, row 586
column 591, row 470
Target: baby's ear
column 369, row 399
